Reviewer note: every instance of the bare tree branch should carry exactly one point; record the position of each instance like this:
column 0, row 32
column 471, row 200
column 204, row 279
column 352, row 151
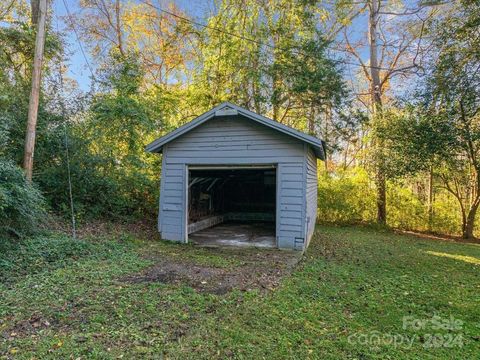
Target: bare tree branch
column 352, row 51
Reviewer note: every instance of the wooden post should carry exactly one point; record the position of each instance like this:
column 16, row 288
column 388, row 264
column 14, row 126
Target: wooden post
column 35, row 91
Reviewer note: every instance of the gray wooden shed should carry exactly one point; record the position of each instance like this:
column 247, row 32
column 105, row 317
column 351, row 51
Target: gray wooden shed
column 231, row 165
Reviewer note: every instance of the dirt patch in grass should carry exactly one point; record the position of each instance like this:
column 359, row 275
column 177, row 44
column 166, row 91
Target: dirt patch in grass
column 259, row 269
column 27, row 327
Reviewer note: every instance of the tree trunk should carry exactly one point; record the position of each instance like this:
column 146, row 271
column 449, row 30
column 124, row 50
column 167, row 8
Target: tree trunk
column 469, row 221
column 375, row 93
column 381, row 197
column 35, row 91
column 325, row 135
column 311, row 121
column 430, row 199
column 34, row 8
column 118, row 27
column 275, row 98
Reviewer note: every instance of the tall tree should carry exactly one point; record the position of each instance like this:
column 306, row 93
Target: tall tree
column 270, row 57
column 455, row 83
column 161, row 37
column 376, row 101
column 443, row 129
column 390, row 53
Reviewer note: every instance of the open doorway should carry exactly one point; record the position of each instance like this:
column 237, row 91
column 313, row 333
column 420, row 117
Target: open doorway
column 232, row 206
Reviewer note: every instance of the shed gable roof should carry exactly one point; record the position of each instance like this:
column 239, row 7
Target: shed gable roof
column 229, row 109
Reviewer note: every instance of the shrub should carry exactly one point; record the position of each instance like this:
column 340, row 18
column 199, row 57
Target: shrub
column 102, row 187
column 446, row 215
column 22, row 207
column 404, row 209
column 349, row 197
column 346, row 197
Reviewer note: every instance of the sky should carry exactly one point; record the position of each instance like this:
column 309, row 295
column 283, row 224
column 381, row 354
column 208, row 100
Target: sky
column 78, row 69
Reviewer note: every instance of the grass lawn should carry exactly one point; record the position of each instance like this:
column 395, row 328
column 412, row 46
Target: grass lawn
column 107, row 297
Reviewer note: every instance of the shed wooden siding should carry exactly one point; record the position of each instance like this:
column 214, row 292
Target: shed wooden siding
column 235, row 140
column 172, row 199
column 311, row 193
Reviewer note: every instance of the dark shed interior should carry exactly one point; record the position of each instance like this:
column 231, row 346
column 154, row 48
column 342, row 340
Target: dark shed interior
column 232, row 204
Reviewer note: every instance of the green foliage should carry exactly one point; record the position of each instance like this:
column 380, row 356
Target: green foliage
column 307, row 75
column 111, row 174
column 346, row 197
column 116, row 128
column 112, row 177
column 18, row 44
column 94, row 195
column 22, row 206
column 415, row 140
column 230, row 69
column 405, row 209
column 292, row 79
column 446, row 215
column 118, row 118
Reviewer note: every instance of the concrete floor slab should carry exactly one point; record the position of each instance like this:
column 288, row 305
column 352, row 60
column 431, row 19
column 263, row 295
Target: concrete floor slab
column 261, row 235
